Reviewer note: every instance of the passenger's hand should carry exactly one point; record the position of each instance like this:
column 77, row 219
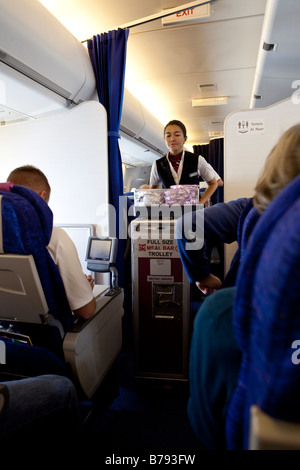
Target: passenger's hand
column 209, row 284
column 91, row 281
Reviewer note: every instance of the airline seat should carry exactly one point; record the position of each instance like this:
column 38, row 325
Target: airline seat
column 41, row 334
column 267, row 327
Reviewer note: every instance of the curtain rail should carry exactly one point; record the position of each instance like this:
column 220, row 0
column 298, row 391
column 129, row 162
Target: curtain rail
column 163, row 14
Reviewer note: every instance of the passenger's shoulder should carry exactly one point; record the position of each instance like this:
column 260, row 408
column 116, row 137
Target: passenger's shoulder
column 60, row 235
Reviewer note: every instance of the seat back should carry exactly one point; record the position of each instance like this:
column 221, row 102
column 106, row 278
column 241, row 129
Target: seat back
column 267, row 318
column 22, row 297
column 21, row 293
column 32, row 294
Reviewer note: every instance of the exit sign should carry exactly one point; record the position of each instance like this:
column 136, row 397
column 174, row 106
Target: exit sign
column 216, row 134
column 191, row 15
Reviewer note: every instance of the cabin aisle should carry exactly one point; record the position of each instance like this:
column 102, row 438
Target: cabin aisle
column 139, row 418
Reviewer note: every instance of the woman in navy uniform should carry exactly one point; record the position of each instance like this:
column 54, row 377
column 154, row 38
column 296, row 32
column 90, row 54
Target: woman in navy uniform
column 180, row 166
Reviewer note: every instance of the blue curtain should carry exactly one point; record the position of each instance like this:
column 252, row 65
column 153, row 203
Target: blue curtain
column 214, row 154
column 108, row 57
column 202, row 149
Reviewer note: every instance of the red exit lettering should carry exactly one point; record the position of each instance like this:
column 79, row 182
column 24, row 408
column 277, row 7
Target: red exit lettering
column 188, row 12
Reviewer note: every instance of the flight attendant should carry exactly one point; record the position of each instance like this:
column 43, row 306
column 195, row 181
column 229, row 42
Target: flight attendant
column 180, row 166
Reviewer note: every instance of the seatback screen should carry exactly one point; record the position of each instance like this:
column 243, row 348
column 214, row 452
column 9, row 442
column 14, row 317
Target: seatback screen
column 100, row 249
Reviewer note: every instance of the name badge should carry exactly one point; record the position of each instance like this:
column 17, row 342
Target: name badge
column 193, row 174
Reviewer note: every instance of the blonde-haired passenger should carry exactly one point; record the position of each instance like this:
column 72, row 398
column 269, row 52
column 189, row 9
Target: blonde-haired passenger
column 281, row 167
column 215, row 358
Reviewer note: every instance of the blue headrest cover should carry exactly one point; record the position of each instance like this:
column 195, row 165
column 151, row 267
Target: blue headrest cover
column 27, row 227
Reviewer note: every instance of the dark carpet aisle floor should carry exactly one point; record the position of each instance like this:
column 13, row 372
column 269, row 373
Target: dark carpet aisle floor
column 133, row 416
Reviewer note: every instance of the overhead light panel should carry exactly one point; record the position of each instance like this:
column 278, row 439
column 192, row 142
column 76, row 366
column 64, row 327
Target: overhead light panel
column 215, row 101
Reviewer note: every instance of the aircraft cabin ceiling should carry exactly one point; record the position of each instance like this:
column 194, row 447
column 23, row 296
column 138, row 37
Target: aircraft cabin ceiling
column 215, row 56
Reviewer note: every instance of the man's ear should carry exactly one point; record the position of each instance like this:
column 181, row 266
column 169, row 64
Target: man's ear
column 43, row 195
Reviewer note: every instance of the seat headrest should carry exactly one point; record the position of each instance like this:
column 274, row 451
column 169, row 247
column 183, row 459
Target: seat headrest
column 267, row 222
column 24, row 208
